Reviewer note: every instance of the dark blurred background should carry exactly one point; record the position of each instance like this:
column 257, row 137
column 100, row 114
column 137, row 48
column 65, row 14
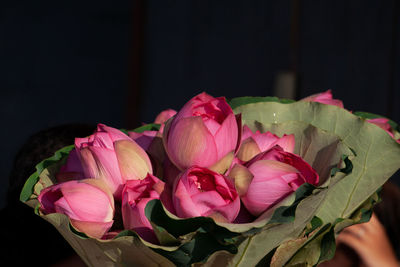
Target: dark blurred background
column 122, row 62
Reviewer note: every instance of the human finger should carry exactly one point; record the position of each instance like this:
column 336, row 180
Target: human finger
column 350, row 239
column 358, row 230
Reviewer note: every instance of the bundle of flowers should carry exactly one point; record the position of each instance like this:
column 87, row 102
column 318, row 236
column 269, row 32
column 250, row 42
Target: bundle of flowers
column 253, row 181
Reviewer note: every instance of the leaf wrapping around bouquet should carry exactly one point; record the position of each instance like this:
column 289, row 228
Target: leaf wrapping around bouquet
column 28, row 191
column 127, row 250
column 199, row 236
column 378, row 155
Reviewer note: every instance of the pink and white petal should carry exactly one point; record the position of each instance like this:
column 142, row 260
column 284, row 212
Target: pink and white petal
column 227, row 136
column 310, row 175
column 183, row 204
column 190, row 143
column 265, row 140
column 48, row 196
column 81, row 142
column 221, row 104
column 101, row 139
column 324, row 98
column 89, row 165
column 134, row 216
column 207, row 200
column 144, row 139
column 248, row 149
column 333, row 102
column 92, row 229
column 211, row 125
column 287, row 142
column 133, row 161
column 103, row 187
column 115, row 134
column 230, row 211
column 222, row 165
column 187, row 110
column 108, row 169
column 85, row 202
column 269, row 169
column 242, row 178
column 246, row 132
column 165, row 115
column 263, row 195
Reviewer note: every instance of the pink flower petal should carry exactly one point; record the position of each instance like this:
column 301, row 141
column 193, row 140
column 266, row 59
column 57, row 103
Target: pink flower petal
column 246, row 132
column 202, row 192
column 190, row 143
column 164, row 116
column 88, row 161
column 144, row 139
column 183, row 203
column 114, row 134
column 264, row 194
column 92, row 229
column 287, row 142
column 227, row 136
column 207, row 200
column 324, row 98
column 133, row 161
column 242, row 178
column 101, row 139
column 84, row 202
column 107, row 168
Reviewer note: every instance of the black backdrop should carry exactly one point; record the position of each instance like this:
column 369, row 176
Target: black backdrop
column 121, row 62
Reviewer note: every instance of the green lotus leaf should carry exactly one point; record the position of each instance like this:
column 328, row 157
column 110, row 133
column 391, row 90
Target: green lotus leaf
column 28, row 189
column 124, row 250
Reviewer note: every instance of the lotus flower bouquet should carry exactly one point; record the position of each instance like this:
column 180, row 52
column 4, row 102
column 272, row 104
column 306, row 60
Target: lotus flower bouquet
column 246, row 182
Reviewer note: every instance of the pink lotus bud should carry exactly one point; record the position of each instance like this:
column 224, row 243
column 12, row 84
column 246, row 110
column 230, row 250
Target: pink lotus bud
column 112, row 156
column 144, row 139
column 151, row 142
column 88, row 203
column 255, row 143
column 72, row 169
column 135, row 196
column 202, row 192
column 164, row 116
column 324, row 98
column 203, row 132
column 270, row 177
